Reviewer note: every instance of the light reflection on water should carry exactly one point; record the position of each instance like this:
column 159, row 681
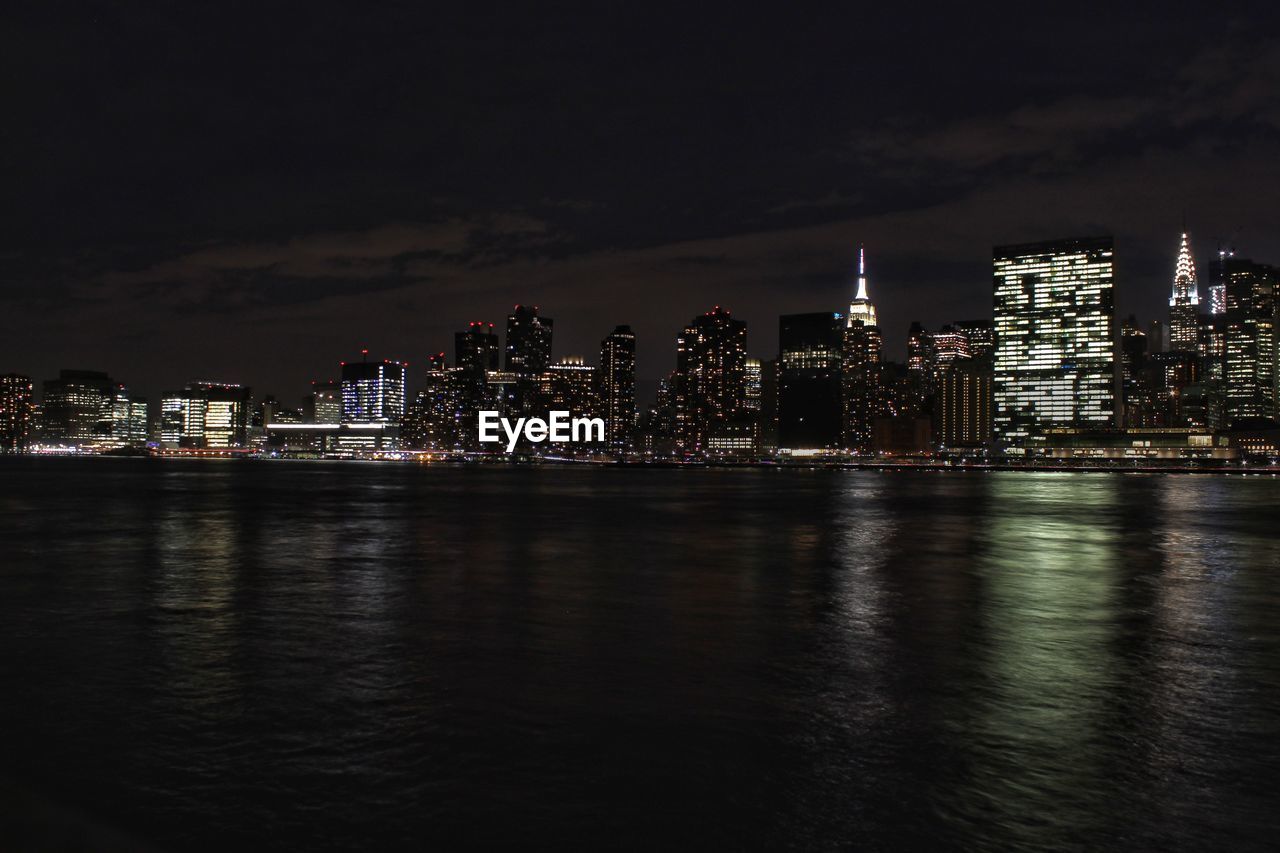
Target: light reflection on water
column 362, row 655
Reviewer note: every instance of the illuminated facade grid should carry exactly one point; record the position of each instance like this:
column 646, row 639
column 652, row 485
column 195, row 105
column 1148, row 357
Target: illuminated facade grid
column 1055, row 356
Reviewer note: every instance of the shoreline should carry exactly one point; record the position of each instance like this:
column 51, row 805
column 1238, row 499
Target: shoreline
column 885, row 465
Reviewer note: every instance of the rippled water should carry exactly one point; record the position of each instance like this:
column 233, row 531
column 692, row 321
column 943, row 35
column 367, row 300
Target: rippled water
column 213, row 655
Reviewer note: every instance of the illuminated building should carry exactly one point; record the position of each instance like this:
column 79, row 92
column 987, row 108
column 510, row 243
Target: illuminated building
column 438, row 413
column 326, row 402
column 862, row 396
column 1184, row 304
column 77, row 408
column 205, row 415
column 570, row 385
column 1055, row 359
column 16, row 409
column 1249, row 338
column 964, row 405
column 1218, row 287
column 618, row 386
column 373, row 394
column 810, row 360
column 710, row 377
column 128, row 419
column 980, row 334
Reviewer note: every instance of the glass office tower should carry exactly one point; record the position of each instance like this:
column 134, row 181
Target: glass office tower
column 1055, row 356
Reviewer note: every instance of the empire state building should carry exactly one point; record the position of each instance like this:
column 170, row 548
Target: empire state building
column 860, row 309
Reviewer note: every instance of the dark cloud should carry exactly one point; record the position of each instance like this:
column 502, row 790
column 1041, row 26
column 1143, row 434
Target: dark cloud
column 255, row 193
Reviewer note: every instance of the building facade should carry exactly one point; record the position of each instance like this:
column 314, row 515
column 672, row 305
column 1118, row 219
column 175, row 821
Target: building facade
column 1055, row 356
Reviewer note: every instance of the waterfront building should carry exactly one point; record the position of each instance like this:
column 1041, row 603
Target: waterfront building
column 17, row 406
column 373, row 399
column 76, row 408
column 618, row 386
column 710, row 378
column 810, row 368
column 1249, row 338
column 863, row 350
column 326, row 402
column 964, row 404
column 1055, row 357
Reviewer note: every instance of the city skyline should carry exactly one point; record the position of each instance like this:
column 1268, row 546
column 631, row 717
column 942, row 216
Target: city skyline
column 895, row 332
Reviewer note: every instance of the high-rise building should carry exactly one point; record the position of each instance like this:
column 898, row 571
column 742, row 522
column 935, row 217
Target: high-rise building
column 436, row 418
column 326, row 402
column 1251, row 390
column 1218, row 287
column 1158, row 337
column 710, row 376
column 76, row 408
column 1184, row 304
column 16, row 407
column 570, row 385
column 477, row 350
column 965, row 414
column 810, row 361
column 373, row 392
column 861, row 387
column 206, row 415
column 528, row 341
column 618, row 386
column 1055, row 357
column 980, row 334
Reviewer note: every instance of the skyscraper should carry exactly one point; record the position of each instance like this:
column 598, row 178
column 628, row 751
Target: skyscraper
column 618, row 386
column 206, row 415
column 528, row 341
column 810, row 358
column 477, row 350
column 1184, row 304
column 1218, row 287
column 964, row 403
column 326, row 402
column 1250, row 338
column 76, row 408
column 861, row 395
column 16, row 406
column 528, row 354
column 1055, row 359
column 373, row 392
column 710, row 376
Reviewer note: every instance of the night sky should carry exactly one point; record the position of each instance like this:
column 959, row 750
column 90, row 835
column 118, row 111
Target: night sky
column 220, row 191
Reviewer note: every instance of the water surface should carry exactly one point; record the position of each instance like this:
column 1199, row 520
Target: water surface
column 210, row 655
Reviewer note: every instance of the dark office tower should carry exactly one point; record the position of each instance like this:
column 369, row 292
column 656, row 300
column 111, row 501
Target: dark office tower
column 16, row 406
column 1250, row 338
column 710, row 377
column 980, row 334
column 1138, row 377
column 1055, row 358
column 528, row 341
column 810, row 358
column 964, row 403
column 76, row 407
column 1184, row 304
column 1157, row 337
column 618, row 386
column 477, row 350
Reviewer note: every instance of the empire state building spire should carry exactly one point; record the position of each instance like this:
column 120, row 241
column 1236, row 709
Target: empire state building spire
column 860, row 309
column 1185, row 301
